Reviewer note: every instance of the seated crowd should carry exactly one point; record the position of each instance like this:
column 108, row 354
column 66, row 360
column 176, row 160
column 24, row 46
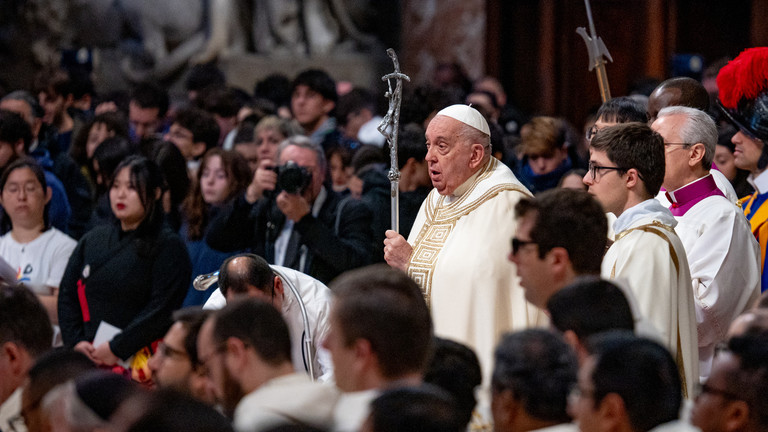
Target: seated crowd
column 630, row 242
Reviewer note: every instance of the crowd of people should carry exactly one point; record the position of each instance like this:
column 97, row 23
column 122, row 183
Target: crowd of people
column 540, row 279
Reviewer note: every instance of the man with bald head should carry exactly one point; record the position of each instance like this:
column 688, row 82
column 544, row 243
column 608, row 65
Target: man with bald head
column 457, row 248
column 678, row 91
column 249, row 275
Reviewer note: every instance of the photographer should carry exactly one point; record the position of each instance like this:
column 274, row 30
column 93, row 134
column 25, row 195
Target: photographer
column 289, row 217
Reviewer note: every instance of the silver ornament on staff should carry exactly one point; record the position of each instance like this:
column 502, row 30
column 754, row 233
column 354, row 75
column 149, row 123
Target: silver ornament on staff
column 390, row 128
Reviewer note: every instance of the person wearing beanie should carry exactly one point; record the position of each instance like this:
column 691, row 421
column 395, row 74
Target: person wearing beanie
column 743, row 98
column 457, row 248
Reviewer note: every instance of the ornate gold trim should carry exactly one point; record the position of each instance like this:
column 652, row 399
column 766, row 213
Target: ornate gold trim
column 441, row 218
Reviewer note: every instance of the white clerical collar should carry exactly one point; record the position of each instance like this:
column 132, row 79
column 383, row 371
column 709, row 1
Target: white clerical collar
column 760, row 183
column 646, row 208
column 463, row 188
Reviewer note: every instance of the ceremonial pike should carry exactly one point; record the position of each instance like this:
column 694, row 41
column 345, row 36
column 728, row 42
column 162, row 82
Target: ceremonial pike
column 390, row 128
column 597, row 54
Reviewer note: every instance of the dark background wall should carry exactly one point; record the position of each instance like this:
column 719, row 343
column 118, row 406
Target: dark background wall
column 532, row 46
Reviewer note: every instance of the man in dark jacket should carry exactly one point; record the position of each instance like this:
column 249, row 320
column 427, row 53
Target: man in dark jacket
column 308, row 229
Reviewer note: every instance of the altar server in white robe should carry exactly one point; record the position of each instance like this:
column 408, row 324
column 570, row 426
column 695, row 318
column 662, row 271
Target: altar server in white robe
column 626, row 169
column 723, row 255
column 457, row 248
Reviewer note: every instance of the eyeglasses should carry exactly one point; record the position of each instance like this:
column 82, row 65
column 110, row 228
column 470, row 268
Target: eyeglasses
column 28, row 188
column 591, row 132
column 704, row 388
column 166, row 351
column 594, row 169
column 517, row 244
column 678, row 144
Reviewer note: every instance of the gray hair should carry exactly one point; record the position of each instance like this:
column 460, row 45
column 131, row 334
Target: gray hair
column 63, row 401
column 304, row 142
column 286, row 127
column 27, row 97
column 698, row 128
column 470, row 136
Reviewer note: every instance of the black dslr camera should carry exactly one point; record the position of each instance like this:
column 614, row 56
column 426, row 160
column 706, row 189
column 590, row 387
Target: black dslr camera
column 292, row 178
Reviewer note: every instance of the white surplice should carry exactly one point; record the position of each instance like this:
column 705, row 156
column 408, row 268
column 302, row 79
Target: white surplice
column 650, row 257
column 317, row 301
column 724, row 259
column 460, row 247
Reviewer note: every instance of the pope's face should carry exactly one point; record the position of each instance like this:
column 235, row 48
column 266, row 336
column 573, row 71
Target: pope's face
column 448, row 155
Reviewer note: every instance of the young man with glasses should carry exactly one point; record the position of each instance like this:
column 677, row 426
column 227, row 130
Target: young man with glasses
column 744, row 102
column 723, row 254
column 626, row 171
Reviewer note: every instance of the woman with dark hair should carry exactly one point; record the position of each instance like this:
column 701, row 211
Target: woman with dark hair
column 37, row 251
column 101, row 127
column 131, row 274
column 174, row 168
column 222, row 176
column 105, row 160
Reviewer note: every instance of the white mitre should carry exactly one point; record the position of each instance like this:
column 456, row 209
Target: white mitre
column 467, row 115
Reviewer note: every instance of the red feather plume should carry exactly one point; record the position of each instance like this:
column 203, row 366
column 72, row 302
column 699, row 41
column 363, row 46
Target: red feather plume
column 746, row 76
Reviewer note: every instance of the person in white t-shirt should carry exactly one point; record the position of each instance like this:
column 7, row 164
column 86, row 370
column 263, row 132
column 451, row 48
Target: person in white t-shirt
column 38, row 252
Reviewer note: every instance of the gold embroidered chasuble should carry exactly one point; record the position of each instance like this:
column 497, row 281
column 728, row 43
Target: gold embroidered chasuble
column 460, row 247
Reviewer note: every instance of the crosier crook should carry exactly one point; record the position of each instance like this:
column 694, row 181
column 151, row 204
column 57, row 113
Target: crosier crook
column 390, row 128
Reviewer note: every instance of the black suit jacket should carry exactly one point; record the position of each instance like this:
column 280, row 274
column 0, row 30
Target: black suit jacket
column 340, row 238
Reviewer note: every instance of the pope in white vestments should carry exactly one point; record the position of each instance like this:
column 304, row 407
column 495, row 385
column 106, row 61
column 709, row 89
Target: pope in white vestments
column 460, row 243
column 649, row 255
column 458, row 246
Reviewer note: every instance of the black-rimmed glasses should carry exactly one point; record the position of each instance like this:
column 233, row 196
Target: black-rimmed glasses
column 166, row 351
column 517, row 244
column 594, row 169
